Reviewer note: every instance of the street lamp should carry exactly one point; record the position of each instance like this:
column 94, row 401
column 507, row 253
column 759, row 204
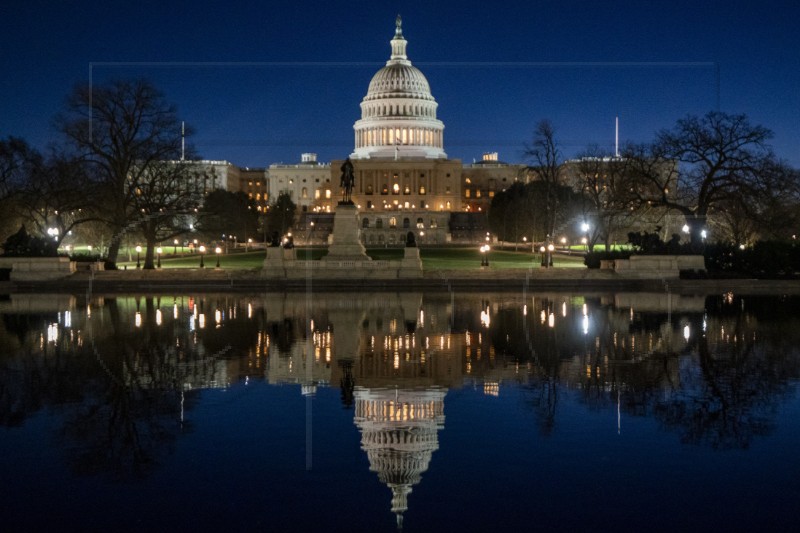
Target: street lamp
column 484, row 255
column 218, row 251
column 550, row 249
column 158, row 254
column 202, row 254
column 175, row 247
column 138, row 262
column 544, row 257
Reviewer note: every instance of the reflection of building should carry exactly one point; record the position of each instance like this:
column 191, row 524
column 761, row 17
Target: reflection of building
column 399, row 432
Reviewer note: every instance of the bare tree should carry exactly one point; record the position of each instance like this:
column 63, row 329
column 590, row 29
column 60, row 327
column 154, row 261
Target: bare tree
column 122, row 130
column 56, row 197
column 545, row 154
column 17, row 161
column 163, row 198
column 602, row 180
column 701, row 164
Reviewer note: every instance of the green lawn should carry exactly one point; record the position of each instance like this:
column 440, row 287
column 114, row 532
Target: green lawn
column 455, row 258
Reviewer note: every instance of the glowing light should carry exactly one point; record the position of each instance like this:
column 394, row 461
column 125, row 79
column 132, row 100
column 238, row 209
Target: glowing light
column 158, row 317
column 686, row 332
column 52, row 332
column 551, row 320
column 585, row 324
column 137, row 320
column 201, row 320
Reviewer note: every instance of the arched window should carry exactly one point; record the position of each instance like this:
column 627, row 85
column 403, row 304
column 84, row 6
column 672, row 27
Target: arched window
column 365, row 223
column 393, row 222
column 406, row 223
column 420, row 223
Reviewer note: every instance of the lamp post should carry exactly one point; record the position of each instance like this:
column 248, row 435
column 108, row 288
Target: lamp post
column 544, row 258
column 202, row 254
column 158, row 255
column 585, row 240
column 175, row 247
column 484, row 255
column 550, row 249
column 138, row 262
column 218, row 251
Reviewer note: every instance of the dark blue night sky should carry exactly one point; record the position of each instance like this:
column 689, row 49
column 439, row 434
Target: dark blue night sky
column 263, row 82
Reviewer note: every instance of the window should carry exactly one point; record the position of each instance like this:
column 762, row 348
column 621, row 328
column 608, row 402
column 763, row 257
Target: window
column 447, row 190
column 467, row 193
column 304, row 193
column 422, row 204
column 420, row 223
column 491, row 194
column 396, row 189
column 365, row 223
column 327, row 194
column 433, row 223
column 379, row 223
column 385, row 189
column 407, row 190
column 477, row 193
column 316, row 194
column 422, row 189
column 406, row 223
column 393, row 222
column 369, row 189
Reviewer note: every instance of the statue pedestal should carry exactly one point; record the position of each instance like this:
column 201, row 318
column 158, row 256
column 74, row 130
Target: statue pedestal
column 346, row 237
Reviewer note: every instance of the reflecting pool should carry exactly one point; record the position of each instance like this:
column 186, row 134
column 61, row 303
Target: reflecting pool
column 369, row 412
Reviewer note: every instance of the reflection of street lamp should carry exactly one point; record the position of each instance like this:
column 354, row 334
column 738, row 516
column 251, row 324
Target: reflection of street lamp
column 158, row 254
column 218, row 251
column 138, row 251
column 202, row 253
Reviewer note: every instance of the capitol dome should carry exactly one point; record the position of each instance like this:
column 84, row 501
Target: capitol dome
column 398, row 114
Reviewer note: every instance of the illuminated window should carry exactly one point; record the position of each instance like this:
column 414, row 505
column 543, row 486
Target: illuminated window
column 447, row 190
column 467, row 193
column 393, row 222
column 316, row 194
column 396, row 189
column 258, row 196
column 385, row 189
column 422, row 189
column 447, row 205
column 407, row 190
column 327, row 194
column 433, row 223
column 491, row 194
column 304, row 193
column 420, row 223
column 477, row 193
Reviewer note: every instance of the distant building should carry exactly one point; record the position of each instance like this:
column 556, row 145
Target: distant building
column 308, row 182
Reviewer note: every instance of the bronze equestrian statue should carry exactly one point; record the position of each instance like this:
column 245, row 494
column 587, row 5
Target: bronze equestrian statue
column 347, row 182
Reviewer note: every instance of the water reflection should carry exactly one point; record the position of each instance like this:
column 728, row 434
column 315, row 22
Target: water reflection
column 125, row 372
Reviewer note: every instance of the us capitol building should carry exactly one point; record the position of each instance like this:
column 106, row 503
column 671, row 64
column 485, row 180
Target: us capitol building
column 404, row 180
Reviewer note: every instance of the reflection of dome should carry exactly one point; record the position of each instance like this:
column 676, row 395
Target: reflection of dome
column 399, row 432
column 398, row 114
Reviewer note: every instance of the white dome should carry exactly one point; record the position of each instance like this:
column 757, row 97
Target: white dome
column 398, row 114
